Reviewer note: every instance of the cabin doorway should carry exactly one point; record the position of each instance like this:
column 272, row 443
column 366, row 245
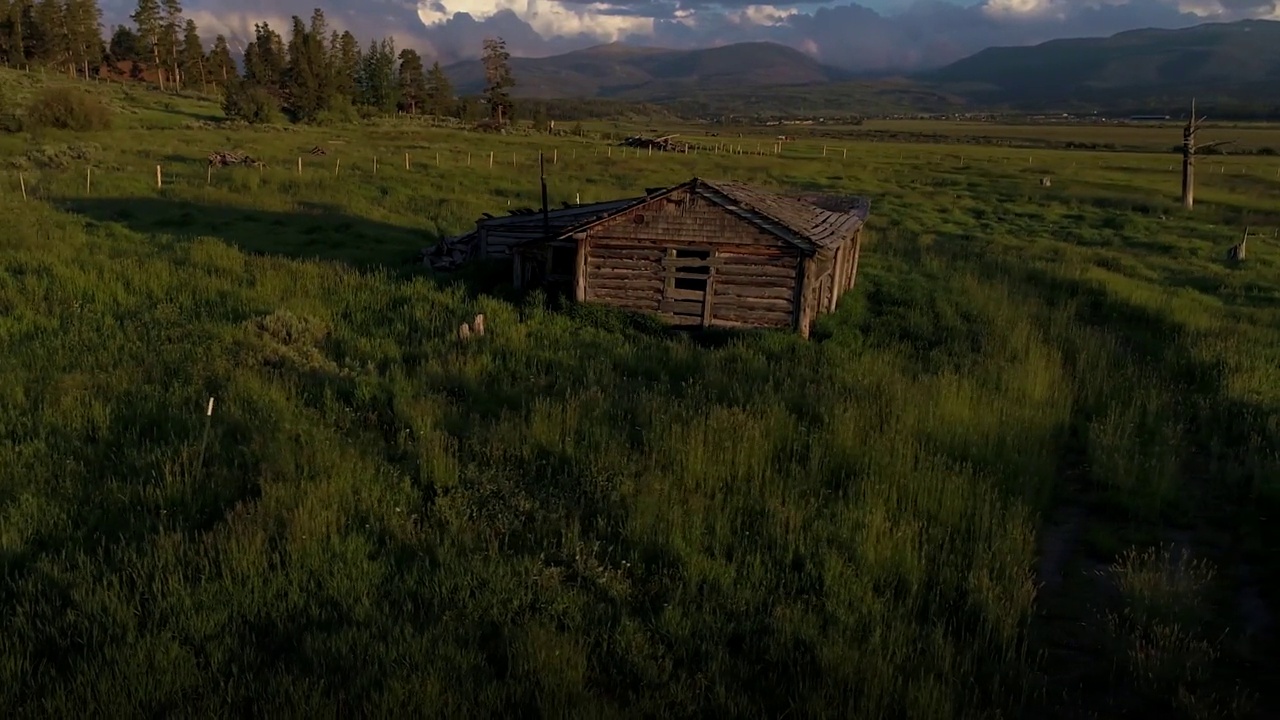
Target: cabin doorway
column 689, row 286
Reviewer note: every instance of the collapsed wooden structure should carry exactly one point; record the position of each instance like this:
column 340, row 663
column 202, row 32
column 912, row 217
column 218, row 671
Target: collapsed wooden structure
column 227, row 158
column 666, row 143
column 701, row 253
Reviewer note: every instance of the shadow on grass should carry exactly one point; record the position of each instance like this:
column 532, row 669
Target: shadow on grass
column 314, row 231
column 317, row 231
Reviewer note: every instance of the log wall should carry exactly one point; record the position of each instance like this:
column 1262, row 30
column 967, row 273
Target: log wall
column 688, row 260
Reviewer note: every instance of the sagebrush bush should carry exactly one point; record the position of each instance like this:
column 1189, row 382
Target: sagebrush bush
column 67, row 109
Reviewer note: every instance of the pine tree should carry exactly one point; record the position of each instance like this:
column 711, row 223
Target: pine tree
column 83, row 22
column 264, row 59
column 191, row 56
column 148, row 20
column 345, row 59
column 439, row 96
column 254, row 67
column 12, row 45
column 498, row 80
column 377, row 77
column 170, row 38
column 318, row 54
column 412, row 82
column 47, row 35
column 126, row 45
column 305, row 86
column 221, row 65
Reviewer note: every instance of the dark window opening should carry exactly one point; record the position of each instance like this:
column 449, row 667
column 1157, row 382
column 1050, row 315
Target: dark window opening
column 564, row 260
column 693, row 284
column 690, row 270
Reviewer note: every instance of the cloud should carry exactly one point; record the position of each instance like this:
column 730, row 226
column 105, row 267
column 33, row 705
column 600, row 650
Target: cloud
column 893, row 35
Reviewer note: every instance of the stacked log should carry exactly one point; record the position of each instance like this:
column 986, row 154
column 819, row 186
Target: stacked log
column 317, row 150
column 666, row 143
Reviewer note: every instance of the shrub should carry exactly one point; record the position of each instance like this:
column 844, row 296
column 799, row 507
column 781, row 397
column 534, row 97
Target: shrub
column 339, row 111
column 67, row 109
column 250, row 103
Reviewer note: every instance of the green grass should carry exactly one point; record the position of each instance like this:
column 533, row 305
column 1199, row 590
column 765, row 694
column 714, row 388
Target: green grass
column 581, row 515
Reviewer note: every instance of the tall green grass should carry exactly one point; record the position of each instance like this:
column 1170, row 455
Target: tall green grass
column 584, row 515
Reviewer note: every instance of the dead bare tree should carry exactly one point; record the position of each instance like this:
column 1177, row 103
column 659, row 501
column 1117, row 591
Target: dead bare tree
column 1189, row 150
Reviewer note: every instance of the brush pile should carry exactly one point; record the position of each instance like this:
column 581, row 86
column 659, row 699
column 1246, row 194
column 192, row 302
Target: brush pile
column 450, row 253
column 226, row 158
column 666, row 143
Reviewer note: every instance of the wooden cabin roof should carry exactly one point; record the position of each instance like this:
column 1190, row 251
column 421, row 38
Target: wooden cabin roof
column 817, row 219
column 810, row 221
column 557, row 217
column 526, row 225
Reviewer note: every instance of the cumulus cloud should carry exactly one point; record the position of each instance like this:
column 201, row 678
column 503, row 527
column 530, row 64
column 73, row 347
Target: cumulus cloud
column 892, row 35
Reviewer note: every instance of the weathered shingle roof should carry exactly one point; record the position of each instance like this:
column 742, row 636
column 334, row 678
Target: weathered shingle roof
column 819, row 219
column 559, row 217
column 527, row 226
column 810, row 220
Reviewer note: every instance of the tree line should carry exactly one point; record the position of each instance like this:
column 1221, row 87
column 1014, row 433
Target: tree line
column 320, row 72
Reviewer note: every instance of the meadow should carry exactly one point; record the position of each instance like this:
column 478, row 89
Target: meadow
column 1160, row 136
column 1029, row 467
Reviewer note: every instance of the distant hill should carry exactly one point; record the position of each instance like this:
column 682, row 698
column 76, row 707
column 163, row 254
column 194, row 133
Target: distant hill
column 1218, row 62
column 1232, row 68
column 628, row 72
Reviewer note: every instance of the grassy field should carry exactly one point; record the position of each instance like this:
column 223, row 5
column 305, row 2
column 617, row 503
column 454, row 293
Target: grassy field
column 1138, row 137
column 1029, row 468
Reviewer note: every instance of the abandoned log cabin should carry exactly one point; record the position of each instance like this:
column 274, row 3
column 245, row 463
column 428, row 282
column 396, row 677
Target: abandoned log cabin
column 704, row 253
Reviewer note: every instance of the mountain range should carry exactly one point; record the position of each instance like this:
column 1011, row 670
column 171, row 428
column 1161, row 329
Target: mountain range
column 1220, row 62
column 1224, row 63
column 630, row 72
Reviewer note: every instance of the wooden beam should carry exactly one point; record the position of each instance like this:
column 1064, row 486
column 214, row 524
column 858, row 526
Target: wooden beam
column 837, row 276
column 803, row 311
column 580, row 274
column 857, row 250
column 708, row 295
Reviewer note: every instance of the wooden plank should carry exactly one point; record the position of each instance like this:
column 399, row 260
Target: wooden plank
column 687, row 275
column 682, row 308
column 680, row 319
column 687, row 266
column 690, row 295
column 745, row 252
column 741, row 276
column 708, row 299
column 580, row 271
column 608, row 252
column 599, row 263
column 756, row 292
column 649, row 285
column 643, row 303
column 607, row 273
column 799, row 305
column 752, row 304
column 756, row 270
column 756, row 318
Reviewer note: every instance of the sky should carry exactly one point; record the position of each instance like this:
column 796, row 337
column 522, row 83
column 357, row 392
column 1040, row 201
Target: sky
column 875, row 36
